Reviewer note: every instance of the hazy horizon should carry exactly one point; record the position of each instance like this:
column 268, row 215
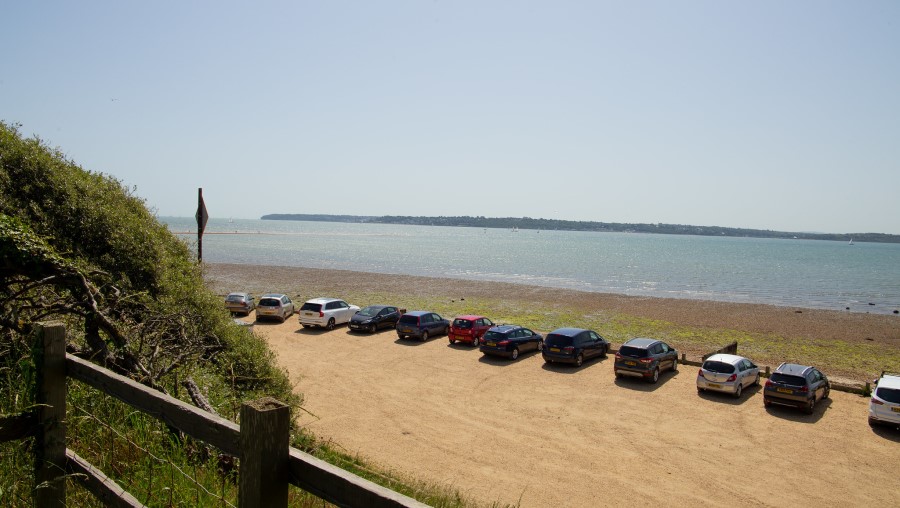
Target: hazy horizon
column 769, row 115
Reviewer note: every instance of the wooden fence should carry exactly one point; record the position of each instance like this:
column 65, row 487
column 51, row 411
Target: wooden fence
column 268, row 465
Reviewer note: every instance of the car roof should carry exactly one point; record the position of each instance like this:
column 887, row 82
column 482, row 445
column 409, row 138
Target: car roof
column 469, row 317
column 792, row 368
column 238, row 294
column 379, row 307
column 418, row 313
column 889, row 381
column 568, row 332
column 722, row 357
column 641, row 342
column 505, row 328
column 322, row 299
column 273, row 295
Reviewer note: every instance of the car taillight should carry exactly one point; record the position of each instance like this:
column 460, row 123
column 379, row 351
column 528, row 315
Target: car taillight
column 569, row 349
column 700, row 373
column 803, row 389
column 732, row 378
column 321, row 314
column 769, row 384
column 503, row 343
column 618, row 356
column 646, row 360
column 877, row 402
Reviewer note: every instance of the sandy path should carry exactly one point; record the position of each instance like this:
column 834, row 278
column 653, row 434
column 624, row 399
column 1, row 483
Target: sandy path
column 561, row 436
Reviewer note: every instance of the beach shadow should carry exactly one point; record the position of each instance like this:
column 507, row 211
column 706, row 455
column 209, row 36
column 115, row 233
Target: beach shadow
column 797, row 415
column 726, row 398
column 571, row 368
column 889, row 432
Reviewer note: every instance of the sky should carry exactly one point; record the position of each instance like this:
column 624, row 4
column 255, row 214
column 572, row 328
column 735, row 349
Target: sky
column 765, row 115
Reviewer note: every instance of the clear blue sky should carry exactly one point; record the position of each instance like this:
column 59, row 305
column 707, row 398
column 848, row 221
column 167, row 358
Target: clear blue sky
column 769, row 114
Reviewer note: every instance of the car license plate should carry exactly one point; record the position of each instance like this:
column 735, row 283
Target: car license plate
column 309, row 314
column 555, row 349
column 896, row 409
column 714, row 385
column 784, row 390
column 406, row 330
column 632, row 364
column 492, row 344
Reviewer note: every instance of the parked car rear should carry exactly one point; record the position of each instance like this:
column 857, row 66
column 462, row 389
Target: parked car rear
column 373, row 317
column 727, row 373
column 240, row 303
column 797, row 386
column 645, row 358
column 421, row 324
column 274, row 306
column 573, row 345
column 326, row 312
column 884, row 406
column 510, row 341
column 469, row 329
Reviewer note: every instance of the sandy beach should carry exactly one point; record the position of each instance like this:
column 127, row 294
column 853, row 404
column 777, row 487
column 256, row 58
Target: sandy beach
column 547, row 435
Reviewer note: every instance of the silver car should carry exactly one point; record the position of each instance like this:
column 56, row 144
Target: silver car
column 274, row 306
column 728, row 374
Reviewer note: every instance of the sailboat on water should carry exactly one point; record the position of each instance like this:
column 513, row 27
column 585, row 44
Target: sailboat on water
column 851, row 242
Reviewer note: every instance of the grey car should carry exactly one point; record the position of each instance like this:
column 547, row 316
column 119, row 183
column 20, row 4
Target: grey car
column 727, row 374
column 645, row 358
column 797, row 386
column 240, row 303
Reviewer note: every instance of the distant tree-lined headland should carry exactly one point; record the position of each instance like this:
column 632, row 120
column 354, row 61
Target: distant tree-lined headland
column 571, row 225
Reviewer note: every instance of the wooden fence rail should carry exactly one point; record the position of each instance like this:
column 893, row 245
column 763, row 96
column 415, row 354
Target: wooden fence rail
column 268, row 465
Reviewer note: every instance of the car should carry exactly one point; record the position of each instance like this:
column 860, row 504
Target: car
column 796, row 385
column 727, row 373
column 373, row 317
column 510, row 341
column 884, row 407
column 645, row 358
column 274, row 306
column 326, row 312
column 573, row 345
column 421, row 324
column 469, row 329
column 240, row 303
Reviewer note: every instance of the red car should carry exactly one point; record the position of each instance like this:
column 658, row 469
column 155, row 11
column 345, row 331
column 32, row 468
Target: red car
column 469, row 329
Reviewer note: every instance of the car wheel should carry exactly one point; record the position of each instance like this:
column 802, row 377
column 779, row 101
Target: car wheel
column 401, row 336
column 810, row 406
column 738, row 390
column 766, row 402
column 330, row 325
column 373, row 328
column 605, row 350
column 655, row 376
column 873, row 423
column 756, row 383
column 579, row 360
column 540, row 345
column 827, row 392
column 452, row 341
column 547, row 360
column 700, row 390
column 675, row 365
column 618, row 375
column 476, row 341
column 515, row 353
column 424, row 336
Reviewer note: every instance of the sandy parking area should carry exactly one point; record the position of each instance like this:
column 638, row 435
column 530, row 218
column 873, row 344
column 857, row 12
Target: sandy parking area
column 562, row 436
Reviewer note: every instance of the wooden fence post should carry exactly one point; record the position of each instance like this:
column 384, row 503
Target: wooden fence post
column 265, row 446
column 50, row 439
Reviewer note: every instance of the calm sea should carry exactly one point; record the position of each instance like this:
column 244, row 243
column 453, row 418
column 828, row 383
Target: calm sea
column 803, row 273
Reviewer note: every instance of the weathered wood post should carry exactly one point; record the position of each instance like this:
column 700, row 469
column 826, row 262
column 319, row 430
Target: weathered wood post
column 50, row 439
column 265, row 445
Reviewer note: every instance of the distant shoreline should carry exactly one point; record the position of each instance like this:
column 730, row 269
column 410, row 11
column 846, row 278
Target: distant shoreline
column 516, row 223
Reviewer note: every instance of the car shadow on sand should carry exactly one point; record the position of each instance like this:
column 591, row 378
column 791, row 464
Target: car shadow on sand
column 797, row 415
column 727, row 398
column 571, row 368
column 414, row 341
column 889, row 432
column 462, row 346
column 313, row 330
column 641, row 385
column 500, row 361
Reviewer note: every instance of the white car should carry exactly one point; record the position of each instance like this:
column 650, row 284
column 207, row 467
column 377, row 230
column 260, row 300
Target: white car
column 884, row 408
column 326, row 312
column 728, row 374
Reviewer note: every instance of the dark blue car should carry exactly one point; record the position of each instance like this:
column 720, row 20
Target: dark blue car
column 573, row 345
column 420, row 324
column 510, row 340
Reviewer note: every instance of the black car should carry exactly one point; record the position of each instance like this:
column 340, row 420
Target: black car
column 373, row 317
column 421, row 324
column 796, row 385
column 645, row 358
column 573, row 345
column 510, row 340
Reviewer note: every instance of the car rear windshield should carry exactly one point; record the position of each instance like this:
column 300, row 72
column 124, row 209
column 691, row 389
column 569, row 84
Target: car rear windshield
column 788, row 379
column 633, row 352
column 889, row 394
column 269, row 302
column 409, row 320
column 492, row 335
column 465, row 324
column 235, row 298
column 315, row 307
column 557, row 340
column 368, row 311
column 719, row 367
